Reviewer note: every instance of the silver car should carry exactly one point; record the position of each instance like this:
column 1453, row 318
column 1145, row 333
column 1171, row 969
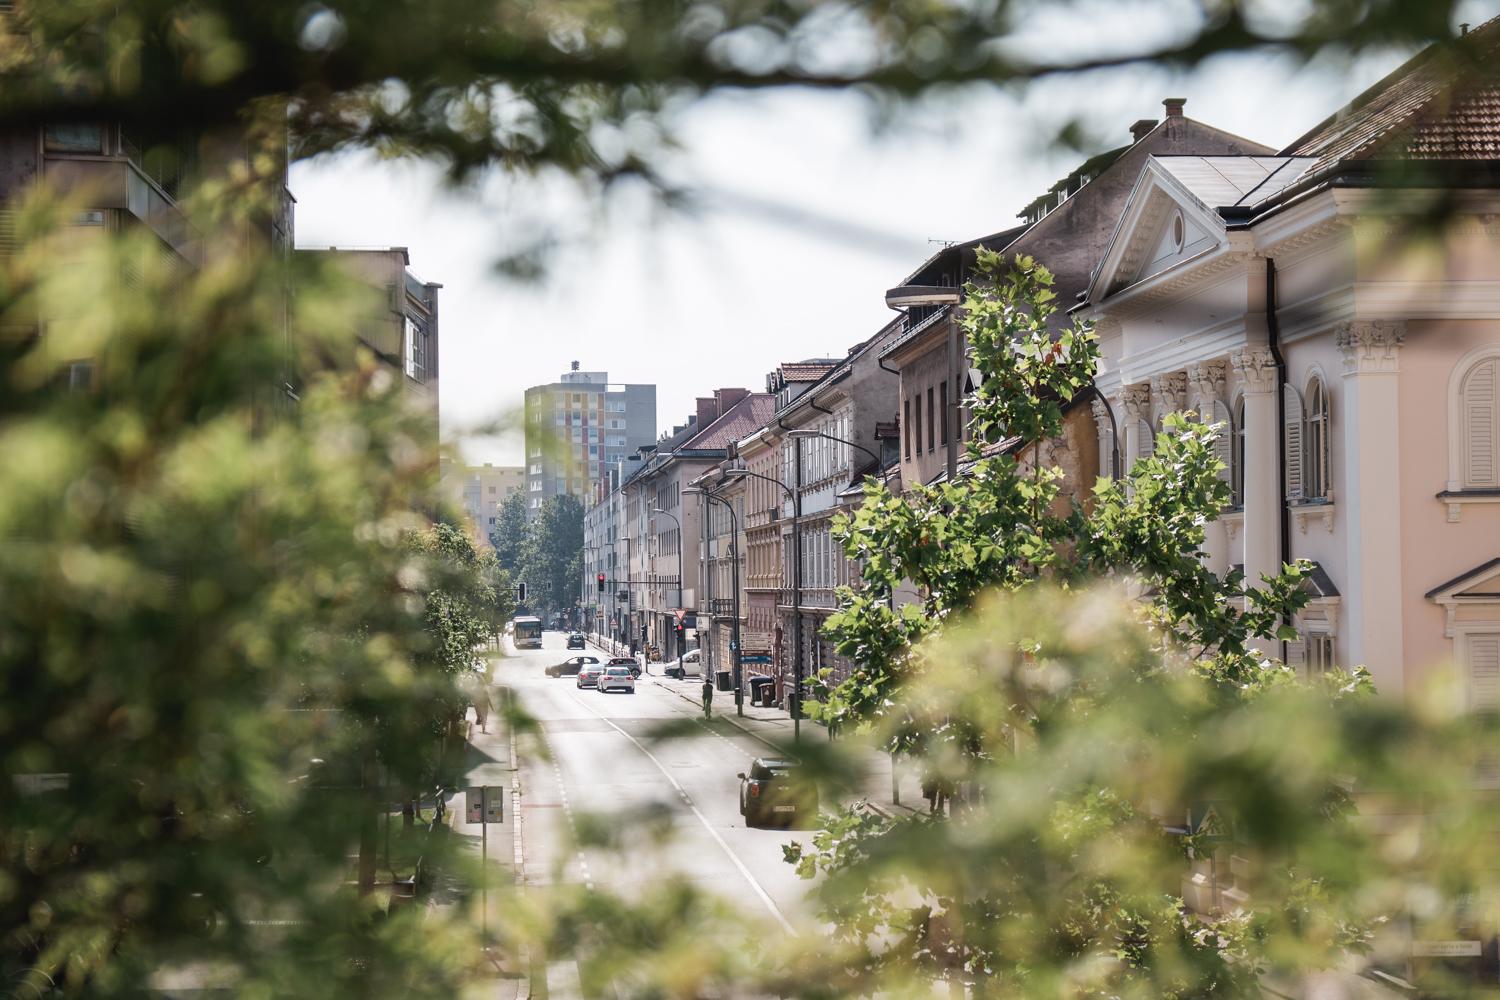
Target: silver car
column 617, row 679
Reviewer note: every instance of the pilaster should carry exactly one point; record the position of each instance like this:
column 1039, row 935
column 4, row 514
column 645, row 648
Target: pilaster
column 1371, row 422
column 1170, row 390
column 1206, row 383
column 1256, row 371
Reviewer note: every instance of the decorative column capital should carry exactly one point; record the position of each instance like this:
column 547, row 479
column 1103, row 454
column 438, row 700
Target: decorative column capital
column 1208, row 381
column 1256, row 369
column 1101, row 411
column 1138, row 401
column 1170, row 389
column 1371, row 347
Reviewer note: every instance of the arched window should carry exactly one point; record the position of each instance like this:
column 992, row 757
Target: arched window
column 1479, row 425
column 1237, row 462
column 1315, row 442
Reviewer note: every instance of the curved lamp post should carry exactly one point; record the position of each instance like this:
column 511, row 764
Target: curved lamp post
column 734, row 565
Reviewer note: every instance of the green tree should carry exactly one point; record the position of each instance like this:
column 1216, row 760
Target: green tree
column 215, row 639
column 552, row 561
column 509, row 535
column 1010, row 525
column 1009, row 522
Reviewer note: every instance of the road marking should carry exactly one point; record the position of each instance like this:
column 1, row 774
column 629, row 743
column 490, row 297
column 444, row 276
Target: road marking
column 759, row 890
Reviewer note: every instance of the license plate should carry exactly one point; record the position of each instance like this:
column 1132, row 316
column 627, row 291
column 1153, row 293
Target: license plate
column 784, row 809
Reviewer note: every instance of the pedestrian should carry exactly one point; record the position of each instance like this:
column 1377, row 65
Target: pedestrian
column 708, row 697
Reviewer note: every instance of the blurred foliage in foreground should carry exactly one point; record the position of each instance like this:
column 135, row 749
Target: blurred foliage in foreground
column 1356, row 822
column 217, row 637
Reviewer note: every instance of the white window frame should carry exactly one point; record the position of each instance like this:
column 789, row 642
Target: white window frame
column 1458, row 491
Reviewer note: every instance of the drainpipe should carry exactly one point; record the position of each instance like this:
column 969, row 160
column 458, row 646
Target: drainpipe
column 1273, row 340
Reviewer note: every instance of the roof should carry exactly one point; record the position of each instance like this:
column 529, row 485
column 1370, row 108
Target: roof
column 994, row 241
column 810, row 370
column 1223, row 181
column 740, row 420
column 1431, row 107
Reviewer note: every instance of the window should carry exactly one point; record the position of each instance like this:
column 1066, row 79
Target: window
column 492, row 489
column 1480, row 425
column 75, row 138
column 918, row 408
column 1315, row 472
column 1237, row 461
column 415, row 350
column 943, row 404
column 931, row 423
column 906, row 427
column 1319, row 654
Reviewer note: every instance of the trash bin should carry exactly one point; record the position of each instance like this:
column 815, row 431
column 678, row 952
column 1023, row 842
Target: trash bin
column 725, row 680
column 762, row 690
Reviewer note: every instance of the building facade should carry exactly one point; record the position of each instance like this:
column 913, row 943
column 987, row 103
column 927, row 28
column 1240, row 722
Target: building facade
column 398, row 323
column 577, row 428
column 480, row 490
column 1349, row 349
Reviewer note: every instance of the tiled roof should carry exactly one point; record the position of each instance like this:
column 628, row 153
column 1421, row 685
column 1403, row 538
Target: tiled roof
column 1431, row 108
column 810, row 370
column 740, row 421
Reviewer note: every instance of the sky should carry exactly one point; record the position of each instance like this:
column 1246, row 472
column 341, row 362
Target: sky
column 811, row 205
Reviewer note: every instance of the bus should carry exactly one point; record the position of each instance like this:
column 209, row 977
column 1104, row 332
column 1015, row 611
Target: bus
column 527, row 632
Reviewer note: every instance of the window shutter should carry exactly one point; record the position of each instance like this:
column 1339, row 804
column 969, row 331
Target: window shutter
column 1224, row 443
column 1296, row 654
column 1293, row 426
column 1484, row 672
column 1146, row 439
column 1480, row 431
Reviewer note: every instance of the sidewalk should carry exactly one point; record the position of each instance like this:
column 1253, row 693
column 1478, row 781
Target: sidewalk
column 489, row 760
column 773, row 727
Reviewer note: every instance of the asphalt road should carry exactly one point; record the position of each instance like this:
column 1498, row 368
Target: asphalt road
column 608, row 767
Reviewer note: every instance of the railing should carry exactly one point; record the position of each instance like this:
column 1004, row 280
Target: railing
column 721, row 607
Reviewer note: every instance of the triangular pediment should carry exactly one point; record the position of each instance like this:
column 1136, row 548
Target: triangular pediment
column 1160, row 228
column 1482, row 583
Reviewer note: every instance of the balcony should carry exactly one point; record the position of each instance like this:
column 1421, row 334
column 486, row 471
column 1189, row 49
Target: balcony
column 721, row 608
column 115, row 182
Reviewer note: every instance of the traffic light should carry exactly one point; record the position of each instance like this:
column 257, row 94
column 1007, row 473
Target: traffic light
column 601, row 583
column 520, row 593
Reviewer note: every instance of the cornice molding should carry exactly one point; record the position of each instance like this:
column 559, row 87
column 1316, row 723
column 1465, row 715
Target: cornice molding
column 1371, row 347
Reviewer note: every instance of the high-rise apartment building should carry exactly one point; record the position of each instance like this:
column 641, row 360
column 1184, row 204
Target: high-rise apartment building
column 577, row 428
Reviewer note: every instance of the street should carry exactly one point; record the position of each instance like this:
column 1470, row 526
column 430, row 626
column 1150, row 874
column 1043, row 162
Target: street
column 675, row 802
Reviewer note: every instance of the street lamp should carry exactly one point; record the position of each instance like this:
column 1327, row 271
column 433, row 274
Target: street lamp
column 734, row 566
column 803, row 433
column 795, row 496
column 658, row 510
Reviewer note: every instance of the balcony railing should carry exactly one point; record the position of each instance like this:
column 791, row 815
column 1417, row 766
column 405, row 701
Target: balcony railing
column 721, row 607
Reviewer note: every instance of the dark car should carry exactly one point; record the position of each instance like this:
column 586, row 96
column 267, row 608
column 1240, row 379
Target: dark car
column 571, row 666
column 776, row 790
column 575, row 641
column 626, row 661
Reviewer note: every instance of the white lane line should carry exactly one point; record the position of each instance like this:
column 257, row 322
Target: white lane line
column 760, row 891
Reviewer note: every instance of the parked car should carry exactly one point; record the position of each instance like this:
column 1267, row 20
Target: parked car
column 617, row 679
column 570, row 666
column 576, row 641
column 589, row 676
column 689, row 664
column 776, row 789
column 626, row 661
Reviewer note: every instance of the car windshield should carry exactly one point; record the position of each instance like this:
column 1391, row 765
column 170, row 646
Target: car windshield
column 618, row 672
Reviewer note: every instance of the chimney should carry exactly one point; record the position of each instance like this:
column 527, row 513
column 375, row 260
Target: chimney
column 575, row 366
column 1174, row 106
column 728, row 398
column 1139, row 129
column 708, row 410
